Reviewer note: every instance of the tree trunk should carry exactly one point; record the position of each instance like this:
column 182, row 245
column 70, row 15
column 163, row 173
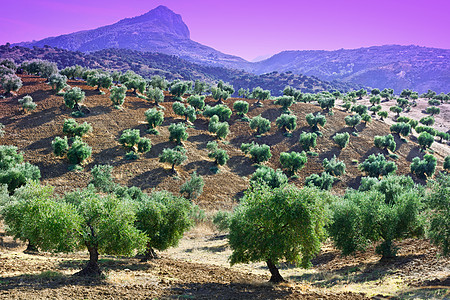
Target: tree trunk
column 149, row 254
column 31, row 248
column 276, row 277
column 173, row 167
column 92, row 268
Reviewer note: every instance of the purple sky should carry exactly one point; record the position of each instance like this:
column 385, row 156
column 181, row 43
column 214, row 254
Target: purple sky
column 248, row 28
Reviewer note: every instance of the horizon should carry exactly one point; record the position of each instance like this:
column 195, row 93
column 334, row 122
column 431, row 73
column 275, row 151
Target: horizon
column 249, row 35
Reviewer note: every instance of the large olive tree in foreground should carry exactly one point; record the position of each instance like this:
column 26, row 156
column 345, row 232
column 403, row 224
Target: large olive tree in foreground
column 271, row 225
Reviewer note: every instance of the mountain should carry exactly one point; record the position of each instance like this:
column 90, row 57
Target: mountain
column 390, row 66
column 159, row 30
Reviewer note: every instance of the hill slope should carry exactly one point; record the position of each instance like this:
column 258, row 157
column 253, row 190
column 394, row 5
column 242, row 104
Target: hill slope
column 391, row 66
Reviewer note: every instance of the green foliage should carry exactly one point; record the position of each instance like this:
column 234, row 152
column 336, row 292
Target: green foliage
column 78, row 152
column 323, row 181
column 129, row 138
column 220, row 110
column 40, row 67
column 11, row 83
column 154, row 117
column 133, row 81
column 290, row 91
column 222, row 220
column 9, row 63
column 375, row 109
column 260, row 153
column 402, row 103
column 158, row 82
column 375, row 100
column 433, row 110
column 244, row 93
column 144, row 145
column 102, row 179
column 262, row 125
column 360, row 109
column 361, row 218
column 447, row 163
column 2, row 132
column 396, row 109
column 71, row 128
column 293, row 161
column 193, row 187
column 9, row 157
column 434, row 102
column 200, row 87
column 366, row 118
column 179, row 89
column 73, row 97
column 316, row 120
column 178, row 132
column 382, row 114
column 308, row 140
column 275, row 224
column 376, row 166
column 60, row 146
column 268, row 176
column 352, row 120
column 360, row 93
column 222, row 130
column 186, row 112
column 285, row 102
column 342, row 139
column 427, row 121
column 164, row 218
column 401, row 128
column 334, row 166
column 27, row 103
column 260, row 94
column 219, row 155
column 57, row 82
column 287, row 122
column 438, row 201
column 425, row 167
column 197, row 101
column 327, row 103
column 72, row 72
column 430, row 130
column 118, row 94
column 174, row 156
column 425, row 140
column 385, row 142
column 241, row 107
column 154, row 93
column 443, row 136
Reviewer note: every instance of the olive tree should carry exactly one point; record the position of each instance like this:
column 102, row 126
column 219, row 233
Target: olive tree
column 342, row 139
column 179, row 89
column 262, row 125
column 268, row 176
column 308, row 140
column 241, row 107
column 287, row 122
column 260, row 94
column 323, row 181
column 377, row 165
column 425, row 140
column 175, row 156
column 11, row 83
column 334, row 166
column 27, row 103
column 57, row 82
column 178, row 133
column 315, row 121
column 220, row 156
column 259, row 153
column 293, row 161
column 401, row 128
column 154, row 118
column 193, row 187
column 117, row 96
column 196, row 101
column 155, row 94
column 385, row 142
column 285, row 102
column 73, row 97
column 424, row 168
column 220, row 110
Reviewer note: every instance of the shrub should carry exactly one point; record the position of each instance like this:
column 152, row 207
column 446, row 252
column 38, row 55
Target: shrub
column 60, row 146
column 102, row 179
column 375, row 100
column 360, row 109
column 285, row 102
column 158, row 82
column 447, row 163
column 220, row 110
column 193, row 187
column 376, row 165
column 262, row 125
column 260, row 94
column 290, row 91
column 222, row 130
column 144, row 145
column 220, row 156
column 11, row 83
column 401, row 128
column 360, row 93
column 222, row 220
column 178, row 133
column 270, row 177
column 327, row 103
column 385, row 142
column 78, row 152
column 118, row 94
column 174, row 156
column 342, row 139
column 308, row 140
column 287, row 122
column 425, row 167
column 434, row 102
column 293, row 161
column 259, row 153
column 427, row 121
column 73, row 97
column 241, row 107
column 323, row 181
column 9, row 63
column 40, row 67
column 366, row 118
column 129, row 138
column 433, row 110
column 27, row 103
column 438, row 201
column 316, row 120
column 353, row 120
column 164, row 218
column 266, row 213
column 443, row 136
column 420, row 129
column 154, row 118
column 334, row 166
column 155, row 94
column 361, row 218
column 57, row 82
column 347, row 105
column 186, row 112
column 71, row 128
column 197, row 101
column 133, row 81
column 425, row 140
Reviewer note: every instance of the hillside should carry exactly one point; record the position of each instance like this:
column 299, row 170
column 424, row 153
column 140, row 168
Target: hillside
column 171, row 67
column 159, row 30
column 390, row 66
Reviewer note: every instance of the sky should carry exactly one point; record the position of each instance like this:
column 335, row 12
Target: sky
column 247, row 28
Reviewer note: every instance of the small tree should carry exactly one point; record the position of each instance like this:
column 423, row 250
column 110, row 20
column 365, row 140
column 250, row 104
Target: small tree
column 72, row 129
column 197, row 101
column 262, row 125
column 117, row 96
column 287, row 122
column 316, row 120
column 361, row 93
column 425, row 140
column 443, row 136
column 401, row 128
column 353, row 120
column 220, row 156
column 424, row 168
column 129, row 138
column 375, row 100
column 220, row 110
column 396, row 109
column 420, row 129
column 347, row 105
column 244, row 93
column 334, row 166
column 433, row 110
column 78, row 152
column 174, row 156
column 73, row 97
column 375, row 109
column 268, row 176
column 342, row 139
column 179, row 89
column 285, row 102
column 382, row 114
column 385, row 142
column 186, row 112
column 200, row 87
column 193, row 187
column 327, row 104
column 267, row 214
column 178, row 132
column 154, row 118
column 154, row 94
column 427, row 121
column 11, row 83
column 293, row 161
column 290, row 91
column 259, row 153
column 323, row 181
column 27, row 104
column 241, row 107
column 60, row 146
column 57, row 82
column 158, row 82
column 308, row 140
column 360, row 109
column 102, row 179
column 376, row 165
column 260, row 94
